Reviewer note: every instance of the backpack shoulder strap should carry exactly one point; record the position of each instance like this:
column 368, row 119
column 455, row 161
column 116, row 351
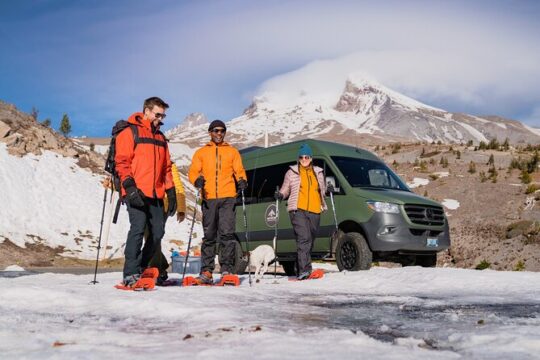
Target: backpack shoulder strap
column 135, row 131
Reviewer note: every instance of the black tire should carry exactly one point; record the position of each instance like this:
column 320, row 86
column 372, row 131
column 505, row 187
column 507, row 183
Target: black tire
column 426, row 260
column 289, row 267
column 353, row 253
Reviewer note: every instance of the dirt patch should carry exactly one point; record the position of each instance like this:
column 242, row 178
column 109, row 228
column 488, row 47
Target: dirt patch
column 38, row 255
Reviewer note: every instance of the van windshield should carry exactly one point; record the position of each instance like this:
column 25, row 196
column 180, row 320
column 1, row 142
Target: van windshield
column 368, row 173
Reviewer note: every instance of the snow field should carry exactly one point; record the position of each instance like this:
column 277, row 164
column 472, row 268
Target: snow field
column 275, row 318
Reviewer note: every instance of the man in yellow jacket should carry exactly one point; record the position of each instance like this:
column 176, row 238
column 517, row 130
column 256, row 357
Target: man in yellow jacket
column 216, row 170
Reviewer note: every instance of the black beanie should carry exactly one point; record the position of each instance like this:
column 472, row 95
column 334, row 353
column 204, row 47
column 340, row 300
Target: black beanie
column 215, row 124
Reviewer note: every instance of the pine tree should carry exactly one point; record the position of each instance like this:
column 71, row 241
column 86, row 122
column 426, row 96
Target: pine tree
column 472, row 167
column 65, row 126
column 34, row 113
column 491, row 160
column 525, row 177
column 46, row 122
column 506, row 145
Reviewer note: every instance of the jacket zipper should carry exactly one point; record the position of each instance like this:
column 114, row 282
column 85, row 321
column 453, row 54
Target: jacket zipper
column 154, row 182
column 308, row 187
column 217, row 165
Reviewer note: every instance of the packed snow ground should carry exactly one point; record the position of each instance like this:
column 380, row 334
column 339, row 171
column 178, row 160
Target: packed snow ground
column 399, row 313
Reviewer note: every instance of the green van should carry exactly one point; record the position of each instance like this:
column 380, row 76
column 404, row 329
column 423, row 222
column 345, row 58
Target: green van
column 378, row 217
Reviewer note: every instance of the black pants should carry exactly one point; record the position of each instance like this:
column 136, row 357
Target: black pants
column 150, row 215
column 305, row 225
column 219, row 217
column 158, row 260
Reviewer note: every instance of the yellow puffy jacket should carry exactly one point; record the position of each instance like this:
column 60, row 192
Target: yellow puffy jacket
column 180, row 193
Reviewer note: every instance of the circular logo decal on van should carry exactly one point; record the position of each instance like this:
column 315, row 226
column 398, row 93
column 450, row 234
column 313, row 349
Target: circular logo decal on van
column 270, row 215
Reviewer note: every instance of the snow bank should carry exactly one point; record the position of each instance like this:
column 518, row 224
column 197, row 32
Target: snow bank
column 450, row 204
column 53, row 201
column 417, row 182
column 14, row 268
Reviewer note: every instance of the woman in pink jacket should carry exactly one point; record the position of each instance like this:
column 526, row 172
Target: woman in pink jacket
column 304, row 187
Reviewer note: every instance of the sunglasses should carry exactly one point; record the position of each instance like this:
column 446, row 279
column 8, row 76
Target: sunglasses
column 159, row 115
column 218, row 131
column 304, row 157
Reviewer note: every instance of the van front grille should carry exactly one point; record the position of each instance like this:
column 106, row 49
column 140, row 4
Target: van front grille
column 425, row 214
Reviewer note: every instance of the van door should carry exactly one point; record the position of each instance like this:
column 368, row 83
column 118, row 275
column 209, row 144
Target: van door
column 261, row 210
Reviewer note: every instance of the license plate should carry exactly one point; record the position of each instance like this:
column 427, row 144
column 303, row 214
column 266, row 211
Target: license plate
column 432, row 242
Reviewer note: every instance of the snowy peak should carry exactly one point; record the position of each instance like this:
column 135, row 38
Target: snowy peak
column 364, row 95
column 194, row 119
column 311, row 104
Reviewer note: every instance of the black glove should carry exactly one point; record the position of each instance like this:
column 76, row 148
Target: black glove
column 242, row 184
column 171, row 199
column 199, row 183
column 134, row 196
column 330, row 188
column 278, row 195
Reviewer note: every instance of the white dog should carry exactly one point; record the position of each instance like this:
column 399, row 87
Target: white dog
column 260, row 258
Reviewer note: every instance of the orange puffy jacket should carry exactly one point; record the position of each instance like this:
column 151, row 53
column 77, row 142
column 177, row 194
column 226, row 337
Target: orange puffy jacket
column 147, row 160
column 220, row 165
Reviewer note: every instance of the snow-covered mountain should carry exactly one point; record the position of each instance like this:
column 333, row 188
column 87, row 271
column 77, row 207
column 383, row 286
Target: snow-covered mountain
column 362, row 106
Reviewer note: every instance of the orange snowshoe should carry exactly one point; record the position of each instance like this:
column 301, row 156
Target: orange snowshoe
column 147, row 281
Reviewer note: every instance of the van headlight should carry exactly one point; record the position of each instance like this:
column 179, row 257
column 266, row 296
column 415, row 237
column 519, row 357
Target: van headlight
column 383, row 207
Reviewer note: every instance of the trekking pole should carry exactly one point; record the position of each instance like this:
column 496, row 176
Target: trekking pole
column 190, row 236
column 99, row 239
column 276, row 234
column 335, row 221
column 247, row 235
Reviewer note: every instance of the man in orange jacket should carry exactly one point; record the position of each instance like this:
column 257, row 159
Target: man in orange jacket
column 214, row 169
column 144, row 165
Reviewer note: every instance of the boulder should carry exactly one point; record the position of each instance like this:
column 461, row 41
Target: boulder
column 4, row 129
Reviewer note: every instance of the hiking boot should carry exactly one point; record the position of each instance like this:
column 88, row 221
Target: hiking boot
column 131, row 280
column 205, row 278
column 162, row 278
column 304, row 276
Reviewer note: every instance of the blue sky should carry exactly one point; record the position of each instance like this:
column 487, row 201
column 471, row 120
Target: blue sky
column 98, row 60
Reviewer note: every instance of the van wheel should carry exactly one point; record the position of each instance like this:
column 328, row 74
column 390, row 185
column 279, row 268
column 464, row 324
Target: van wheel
column 289, row 267
column 240, row 262
column 353, row 253
column 426, row 260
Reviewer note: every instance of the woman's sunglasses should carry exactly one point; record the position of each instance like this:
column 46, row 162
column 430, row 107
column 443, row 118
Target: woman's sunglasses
column 304, row 157
column 218, row 131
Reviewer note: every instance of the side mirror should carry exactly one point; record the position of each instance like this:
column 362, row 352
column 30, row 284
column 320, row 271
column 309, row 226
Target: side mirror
column 331, row 186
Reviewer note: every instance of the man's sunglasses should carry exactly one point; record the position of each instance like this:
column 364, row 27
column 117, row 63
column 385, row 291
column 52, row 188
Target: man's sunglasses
column 218, row 131
column 159, row 115
column 304, row 157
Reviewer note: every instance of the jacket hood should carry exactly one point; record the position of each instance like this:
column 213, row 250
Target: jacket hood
column 138, row 119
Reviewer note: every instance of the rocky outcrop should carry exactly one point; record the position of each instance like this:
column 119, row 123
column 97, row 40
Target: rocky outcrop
column 23, row 135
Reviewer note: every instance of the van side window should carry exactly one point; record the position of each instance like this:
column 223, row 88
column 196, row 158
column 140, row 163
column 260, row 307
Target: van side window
column 263, row 182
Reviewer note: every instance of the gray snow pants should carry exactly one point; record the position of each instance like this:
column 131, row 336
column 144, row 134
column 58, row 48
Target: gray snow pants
column 305, row 225
column 150, row 215
column 219, row 218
